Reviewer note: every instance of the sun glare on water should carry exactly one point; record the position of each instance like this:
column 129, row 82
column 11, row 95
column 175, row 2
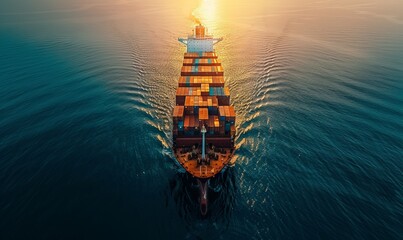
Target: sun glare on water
column 206, row 12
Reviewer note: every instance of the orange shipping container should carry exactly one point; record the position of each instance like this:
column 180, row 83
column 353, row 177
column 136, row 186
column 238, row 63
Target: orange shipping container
column 203, row 114
column 221, row 111
column 226, row 109
column 186, row 123
column 215, row 101
column 178, row 112
column 209, row 102
column 226, row 91
column 232, row 111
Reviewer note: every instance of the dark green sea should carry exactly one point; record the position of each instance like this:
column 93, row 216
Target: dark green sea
column 87, row 90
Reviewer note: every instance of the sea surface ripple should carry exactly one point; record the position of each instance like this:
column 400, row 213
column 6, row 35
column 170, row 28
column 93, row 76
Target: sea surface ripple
column 86, row 94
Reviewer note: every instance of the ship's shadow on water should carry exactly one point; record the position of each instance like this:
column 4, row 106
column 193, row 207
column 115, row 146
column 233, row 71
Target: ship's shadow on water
column 222, row 193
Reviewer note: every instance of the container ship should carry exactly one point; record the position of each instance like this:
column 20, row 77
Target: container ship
column 203, row 119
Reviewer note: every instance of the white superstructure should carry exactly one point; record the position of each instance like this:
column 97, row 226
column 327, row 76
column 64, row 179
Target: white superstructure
column 200, row 41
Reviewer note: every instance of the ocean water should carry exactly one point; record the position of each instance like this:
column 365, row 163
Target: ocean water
column 86, row 94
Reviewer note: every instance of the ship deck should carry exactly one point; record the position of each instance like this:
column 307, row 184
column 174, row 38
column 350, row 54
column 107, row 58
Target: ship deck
column 204, row 170
column 203, row 118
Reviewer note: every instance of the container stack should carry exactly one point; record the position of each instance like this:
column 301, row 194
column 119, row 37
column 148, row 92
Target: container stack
column 202, row 99
column 202, row 71
column 201, row 62
column 196, row 55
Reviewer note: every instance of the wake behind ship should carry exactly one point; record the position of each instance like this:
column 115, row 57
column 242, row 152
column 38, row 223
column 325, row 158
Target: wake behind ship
column 203, row 120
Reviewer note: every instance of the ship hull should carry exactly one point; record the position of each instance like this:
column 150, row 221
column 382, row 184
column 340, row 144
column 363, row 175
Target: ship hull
column 203, row 119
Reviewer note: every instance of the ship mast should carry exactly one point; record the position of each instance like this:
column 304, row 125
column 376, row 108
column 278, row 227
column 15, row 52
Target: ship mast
column 203, row 131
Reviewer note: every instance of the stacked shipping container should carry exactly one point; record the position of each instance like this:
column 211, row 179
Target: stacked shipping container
column 202, row 99
column 201, row 62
